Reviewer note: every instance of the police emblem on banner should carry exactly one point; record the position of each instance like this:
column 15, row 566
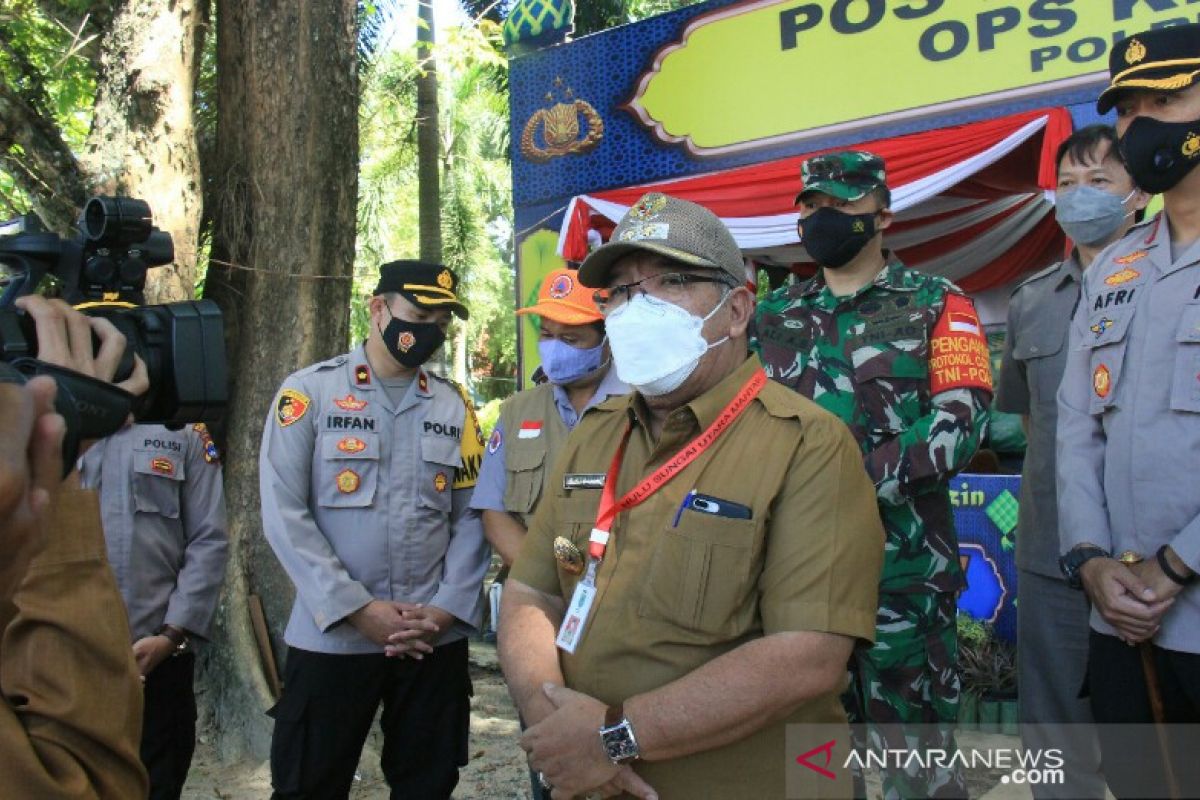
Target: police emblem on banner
column 570, row 127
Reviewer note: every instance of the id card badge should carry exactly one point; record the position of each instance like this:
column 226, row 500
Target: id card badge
column 573, row 624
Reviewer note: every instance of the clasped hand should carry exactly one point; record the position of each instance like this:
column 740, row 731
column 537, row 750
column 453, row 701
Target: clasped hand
column 566, row 748
column 403, row 629
column 1131, row 598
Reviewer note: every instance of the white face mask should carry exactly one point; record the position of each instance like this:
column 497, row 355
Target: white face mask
column 656, row 345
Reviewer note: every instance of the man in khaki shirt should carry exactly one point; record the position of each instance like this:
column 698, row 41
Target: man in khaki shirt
column 729, row 600
column 71, row 707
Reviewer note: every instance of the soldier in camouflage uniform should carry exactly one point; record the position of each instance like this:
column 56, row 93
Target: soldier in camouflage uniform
column 901, row 358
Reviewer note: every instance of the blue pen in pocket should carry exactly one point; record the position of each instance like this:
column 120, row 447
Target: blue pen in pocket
column 687, row 500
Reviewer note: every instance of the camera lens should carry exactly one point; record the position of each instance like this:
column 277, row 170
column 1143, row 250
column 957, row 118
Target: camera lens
column 133, row 270
column 99, row 270
column 116, row 220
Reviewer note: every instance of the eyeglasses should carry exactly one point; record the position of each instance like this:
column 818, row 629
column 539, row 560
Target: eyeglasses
column 671, row 287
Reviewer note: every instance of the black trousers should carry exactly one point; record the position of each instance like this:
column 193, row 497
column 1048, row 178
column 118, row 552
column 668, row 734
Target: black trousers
column 169, row 725
column 329, row 701
column 1131, row 757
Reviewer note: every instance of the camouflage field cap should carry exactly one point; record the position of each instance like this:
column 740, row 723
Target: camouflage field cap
column 846, row 175
column 1167, row 60
column 671, row 227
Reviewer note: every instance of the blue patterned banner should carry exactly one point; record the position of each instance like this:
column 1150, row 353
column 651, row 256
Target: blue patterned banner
column 985, row 513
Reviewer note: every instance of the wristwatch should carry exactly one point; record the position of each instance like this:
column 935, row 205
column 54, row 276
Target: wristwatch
column 178, row 637
column 1070, row 562
column 620, row 745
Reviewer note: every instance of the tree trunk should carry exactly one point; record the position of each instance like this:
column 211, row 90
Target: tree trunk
column 428, row 141
column 286, row 188
column 143, row 140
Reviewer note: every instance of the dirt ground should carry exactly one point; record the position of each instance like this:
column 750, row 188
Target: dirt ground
column 497, row 770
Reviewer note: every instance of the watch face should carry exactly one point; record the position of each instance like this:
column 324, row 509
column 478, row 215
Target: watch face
column 619, row 744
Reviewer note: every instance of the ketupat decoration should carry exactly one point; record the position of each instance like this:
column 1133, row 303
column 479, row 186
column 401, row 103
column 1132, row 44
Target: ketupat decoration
column 533, row 24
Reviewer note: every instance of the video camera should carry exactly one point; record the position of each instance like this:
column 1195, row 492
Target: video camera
column 102, row 272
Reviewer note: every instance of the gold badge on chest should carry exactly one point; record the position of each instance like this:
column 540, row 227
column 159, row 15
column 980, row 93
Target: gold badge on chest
column 568, row 556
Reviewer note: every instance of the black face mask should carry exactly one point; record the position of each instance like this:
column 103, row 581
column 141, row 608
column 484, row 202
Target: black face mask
column 1160, row 154
column 833, row 238
column 412, row 343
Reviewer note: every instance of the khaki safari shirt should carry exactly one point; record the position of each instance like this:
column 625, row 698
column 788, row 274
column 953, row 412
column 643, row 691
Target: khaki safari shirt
column 678, row 589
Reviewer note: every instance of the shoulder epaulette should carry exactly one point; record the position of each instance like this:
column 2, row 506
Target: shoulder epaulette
column 322, row 366
column 1037, row 276
column 457, row 387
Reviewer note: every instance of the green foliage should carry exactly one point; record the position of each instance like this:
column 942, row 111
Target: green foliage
column 489, row 415
column 47, row 61
column 476, row 188
column 592, row 16
column 988, row 664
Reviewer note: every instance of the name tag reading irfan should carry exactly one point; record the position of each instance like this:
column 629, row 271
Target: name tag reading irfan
column 573, row 624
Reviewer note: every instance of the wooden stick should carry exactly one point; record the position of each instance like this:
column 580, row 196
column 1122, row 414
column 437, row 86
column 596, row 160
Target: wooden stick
column 262, row 637
column 1154, row 690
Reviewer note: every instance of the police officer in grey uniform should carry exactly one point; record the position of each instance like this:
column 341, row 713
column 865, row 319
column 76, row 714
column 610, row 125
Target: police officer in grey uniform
column 1129, row 427
column 163, row 512
column 1096, row 205
column 366, row 468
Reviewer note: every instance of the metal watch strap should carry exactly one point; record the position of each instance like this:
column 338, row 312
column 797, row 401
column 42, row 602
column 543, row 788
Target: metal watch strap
column 1165, row 565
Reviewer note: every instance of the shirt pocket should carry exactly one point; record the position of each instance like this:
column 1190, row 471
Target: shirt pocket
column 1036, row 347
column 1185, row 388
column 699, row 575
column 1106, row 342
column 440, row 456
column 889, row 385
column 348, row 473
column 524, row 470
column 157, row 479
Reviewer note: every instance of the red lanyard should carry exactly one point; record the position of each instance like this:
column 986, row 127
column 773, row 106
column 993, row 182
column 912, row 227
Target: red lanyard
column 610, row 507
